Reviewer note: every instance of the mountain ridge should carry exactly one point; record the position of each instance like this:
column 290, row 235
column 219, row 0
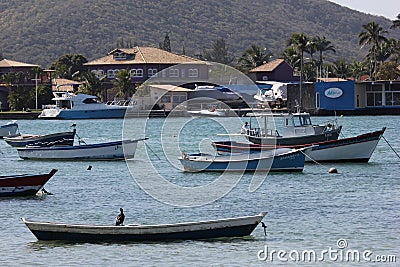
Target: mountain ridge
column 40, row 31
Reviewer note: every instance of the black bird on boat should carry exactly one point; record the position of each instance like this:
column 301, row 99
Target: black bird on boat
column 119, row 220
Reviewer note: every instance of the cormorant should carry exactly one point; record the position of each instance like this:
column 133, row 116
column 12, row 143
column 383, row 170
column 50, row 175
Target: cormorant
column 119, row 220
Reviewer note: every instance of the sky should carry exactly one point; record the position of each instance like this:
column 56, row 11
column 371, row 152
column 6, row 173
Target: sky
column 387, row 8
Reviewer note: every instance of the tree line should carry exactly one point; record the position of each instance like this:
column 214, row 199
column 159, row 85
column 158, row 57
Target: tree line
column 303, row 52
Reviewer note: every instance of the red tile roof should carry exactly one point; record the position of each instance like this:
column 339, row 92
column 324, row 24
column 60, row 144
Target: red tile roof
column 270, row 66
column 143, row 55
column 6, row 63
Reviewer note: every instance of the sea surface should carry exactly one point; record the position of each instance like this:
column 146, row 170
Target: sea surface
column 356, row 210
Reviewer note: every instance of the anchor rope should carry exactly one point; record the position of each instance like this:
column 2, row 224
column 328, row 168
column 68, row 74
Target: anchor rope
column 391, row 147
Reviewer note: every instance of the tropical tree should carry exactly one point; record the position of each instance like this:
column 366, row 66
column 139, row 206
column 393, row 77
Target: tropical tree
column 388, row 71
column 322, row 45
column 395, row 56
column 291, row 56
column 301, row 42
column 253, row 57
column 341, row 69
column 91, row 85
column 69, row 66
column 396, row 23
column 309, row 71
column 372, row 35
column 124, row 84
column 357, row 69
column 384, row 51
column 219, row 52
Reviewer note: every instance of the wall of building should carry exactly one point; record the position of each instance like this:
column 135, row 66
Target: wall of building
column 335, row 95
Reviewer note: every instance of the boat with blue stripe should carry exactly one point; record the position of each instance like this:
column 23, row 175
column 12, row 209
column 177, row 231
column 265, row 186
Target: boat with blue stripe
column 275, row 160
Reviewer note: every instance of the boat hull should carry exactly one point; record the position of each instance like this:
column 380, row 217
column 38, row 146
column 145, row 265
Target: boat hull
column 353, row 149
column 104, row 151
column 231, row 227
column 69, row 114
column 288, row 161
column 57, row 139
column 23, row 185
column 8, row 130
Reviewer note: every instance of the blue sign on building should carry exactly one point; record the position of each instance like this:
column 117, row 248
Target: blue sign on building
column 334, row 95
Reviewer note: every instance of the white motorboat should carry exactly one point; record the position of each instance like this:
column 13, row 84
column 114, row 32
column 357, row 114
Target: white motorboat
column 9, row 130
column 80, row 106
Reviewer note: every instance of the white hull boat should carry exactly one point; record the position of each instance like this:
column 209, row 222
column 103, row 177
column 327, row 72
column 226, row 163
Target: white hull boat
column 9, row 130
column 103, row 151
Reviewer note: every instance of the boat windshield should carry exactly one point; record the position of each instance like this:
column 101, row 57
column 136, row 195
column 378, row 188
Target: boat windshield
column 302, row 120
column 90, row 101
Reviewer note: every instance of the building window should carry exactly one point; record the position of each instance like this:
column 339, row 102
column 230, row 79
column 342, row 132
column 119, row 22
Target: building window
column 111, row 73
column 193, row 73
column 152, row 72
column 166, row 99
column 136, row 73
column 99, row 73
column 119, row 56
column 374, row 95
column 173, row 73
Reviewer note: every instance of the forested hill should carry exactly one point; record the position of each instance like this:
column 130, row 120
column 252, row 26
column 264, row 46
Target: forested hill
column 39, row 31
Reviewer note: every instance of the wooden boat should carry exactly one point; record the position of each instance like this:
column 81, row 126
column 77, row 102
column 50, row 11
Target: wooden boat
column 352, row 149
column 9, row 129
column 281, row 159
column 230, row 227
column 56, row 139
column 24, row 184
column 297, row 130
column 102, row 151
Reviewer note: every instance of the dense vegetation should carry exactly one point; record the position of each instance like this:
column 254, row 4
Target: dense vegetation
column 40, row 31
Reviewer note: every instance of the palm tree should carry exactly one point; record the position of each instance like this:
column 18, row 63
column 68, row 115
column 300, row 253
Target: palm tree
column 91, row 85
column 373, row 36
column 253, row 57
column 396, row 23
column 395, row 56
column 340, row 68
column 300, row 41
column 384, row 51
column 124, row 84
column 322, row 46
column 291, row 56
column 357, row 69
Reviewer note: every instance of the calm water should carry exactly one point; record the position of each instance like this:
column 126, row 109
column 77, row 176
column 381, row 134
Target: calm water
column 306, row 211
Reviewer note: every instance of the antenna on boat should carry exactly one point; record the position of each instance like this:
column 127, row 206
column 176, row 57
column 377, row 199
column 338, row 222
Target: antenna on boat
column 297, row 106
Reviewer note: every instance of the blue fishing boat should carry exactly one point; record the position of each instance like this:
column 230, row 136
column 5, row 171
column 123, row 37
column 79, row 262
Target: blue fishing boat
column 275, row 160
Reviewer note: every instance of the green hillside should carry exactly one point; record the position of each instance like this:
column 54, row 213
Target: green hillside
column 39, row 31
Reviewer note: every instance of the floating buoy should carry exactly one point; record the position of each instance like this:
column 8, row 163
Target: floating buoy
column 333, row 170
